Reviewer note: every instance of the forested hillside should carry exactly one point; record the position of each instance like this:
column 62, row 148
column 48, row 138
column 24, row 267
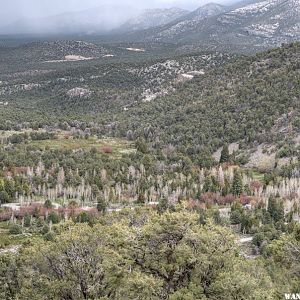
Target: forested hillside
column 253, row 100
column 245, row 26
column 128, row 174
column 196, row 103
column 48, row 82
column 146, row 255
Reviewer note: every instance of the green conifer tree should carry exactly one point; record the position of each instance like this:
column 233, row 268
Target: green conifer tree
column 237, row 184
column 225, row 157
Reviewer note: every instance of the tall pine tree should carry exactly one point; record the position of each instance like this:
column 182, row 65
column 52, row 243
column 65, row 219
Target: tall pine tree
column 225, row 157
column 237, row 184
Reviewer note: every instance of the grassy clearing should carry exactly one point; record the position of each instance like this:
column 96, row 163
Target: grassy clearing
column 258, row 176
column 85, row 144
column 107, row 145
column 64, row 140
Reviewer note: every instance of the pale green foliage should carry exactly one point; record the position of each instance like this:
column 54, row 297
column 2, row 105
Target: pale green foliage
column 285, row 258
column 247, row 280
column 140, row 255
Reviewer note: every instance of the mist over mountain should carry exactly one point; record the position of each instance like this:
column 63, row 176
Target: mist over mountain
column 99, row 19
column 154, row 17
column 72, row 16
column 243, row 26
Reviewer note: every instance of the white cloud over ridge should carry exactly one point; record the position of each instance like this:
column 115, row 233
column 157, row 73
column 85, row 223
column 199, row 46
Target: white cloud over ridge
column 13, row 10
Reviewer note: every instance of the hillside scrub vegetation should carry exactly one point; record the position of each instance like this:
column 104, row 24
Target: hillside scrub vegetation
column 145, row 255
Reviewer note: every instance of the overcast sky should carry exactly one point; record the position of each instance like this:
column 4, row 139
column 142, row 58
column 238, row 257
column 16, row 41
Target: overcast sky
column 12, row 10
column 28, row 16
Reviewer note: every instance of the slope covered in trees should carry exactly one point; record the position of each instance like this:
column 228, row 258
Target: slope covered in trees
column 145, row 255
column 245, row 26
column 195, row 103
column 38, row 85
column 255, row 99
column 64, row 187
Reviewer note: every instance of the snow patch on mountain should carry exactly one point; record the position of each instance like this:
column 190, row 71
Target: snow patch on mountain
column 255, row 8
column 79, row 93
column 192, row 20
column 154, row 17
column 136, row 49
column 263, row 30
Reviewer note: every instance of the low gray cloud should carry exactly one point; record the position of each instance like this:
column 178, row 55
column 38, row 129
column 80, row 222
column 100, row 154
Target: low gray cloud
column 111, row 12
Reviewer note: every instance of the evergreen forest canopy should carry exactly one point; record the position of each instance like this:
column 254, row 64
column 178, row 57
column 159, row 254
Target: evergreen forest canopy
column 253, row 94
column 146, row 255
column 148, row 173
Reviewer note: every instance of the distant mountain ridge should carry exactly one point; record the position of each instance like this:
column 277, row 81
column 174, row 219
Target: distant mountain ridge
column 190, row 21
column 97, row 20
column 246, row 24
column 153, row 18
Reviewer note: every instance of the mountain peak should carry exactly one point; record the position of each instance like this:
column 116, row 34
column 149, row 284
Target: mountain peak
column 154, row 17
column 247, row 25
column 209, row 9
column 211, row 5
